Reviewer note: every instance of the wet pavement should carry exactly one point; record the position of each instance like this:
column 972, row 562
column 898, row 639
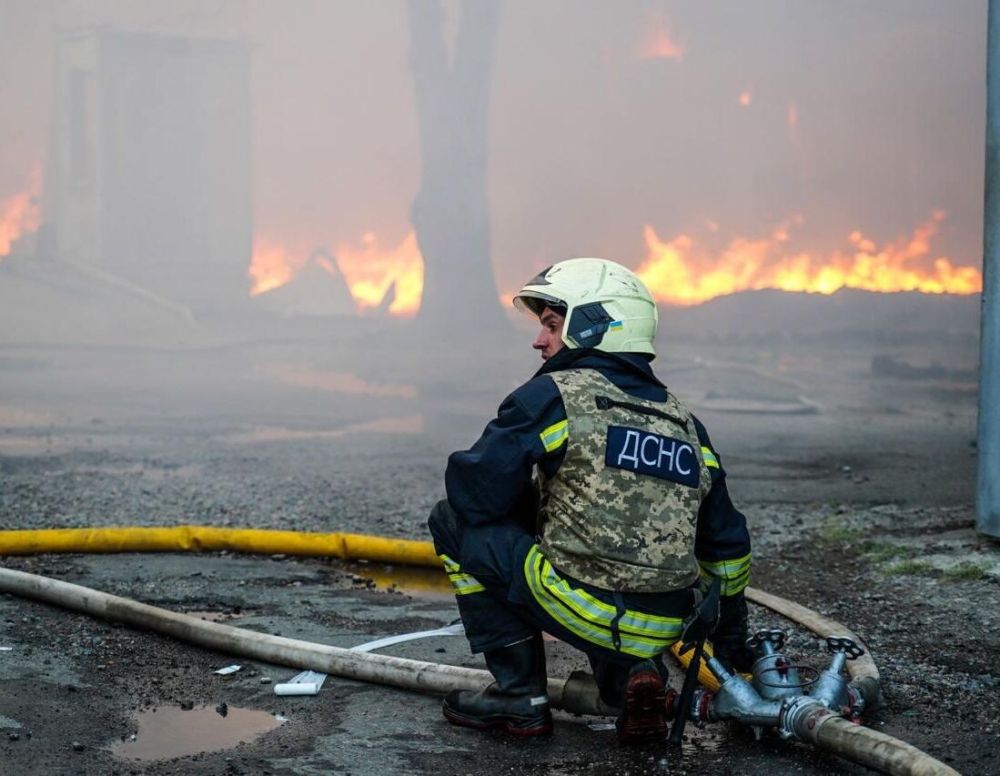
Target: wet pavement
column 111, row 683
column 835, row 498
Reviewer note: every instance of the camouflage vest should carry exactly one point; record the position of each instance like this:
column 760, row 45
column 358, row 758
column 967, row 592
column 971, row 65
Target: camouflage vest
column 620, row 513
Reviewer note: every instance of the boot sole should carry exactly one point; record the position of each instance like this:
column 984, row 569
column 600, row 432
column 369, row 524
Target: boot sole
column 645, row 716
column 526, row 729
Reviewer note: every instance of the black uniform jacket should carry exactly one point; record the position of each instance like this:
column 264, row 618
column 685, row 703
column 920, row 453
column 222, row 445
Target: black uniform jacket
column 492, row 479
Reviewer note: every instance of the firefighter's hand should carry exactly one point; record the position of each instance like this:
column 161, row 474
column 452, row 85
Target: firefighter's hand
column 729, row 640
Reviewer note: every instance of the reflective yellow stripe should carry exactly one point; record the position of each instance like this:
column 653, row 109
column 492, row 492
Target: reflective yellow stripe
column 464, row 584
column 555, row 436
column 727, row 568
column 642, row 635
column 710, row 460
column 601, row 613
column 735, row 573
column 574, row 609
column 579, row 627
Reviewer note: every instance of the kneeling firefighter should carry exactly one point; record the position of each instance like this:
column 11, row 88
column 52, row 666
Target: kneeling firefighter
column 594, row 508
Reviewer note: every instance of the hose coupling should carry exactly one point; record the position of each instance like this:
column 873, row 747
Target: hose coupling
column 672, row 703
column 701, row 702
column 800, row 717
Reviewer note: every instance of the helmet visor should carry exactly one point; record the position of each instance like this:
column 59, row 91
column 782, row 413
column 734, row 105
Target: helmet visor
column 534, row 302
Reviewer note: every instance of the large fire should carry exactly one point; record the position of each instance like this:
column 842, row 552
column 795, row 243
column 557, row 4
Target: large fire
column 20, row 214
column 682, row 271
column 369, row 270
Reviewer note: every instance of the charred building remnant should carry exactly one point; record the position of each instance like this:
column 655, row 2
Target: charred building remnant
column 450, row 212
column 149, row 175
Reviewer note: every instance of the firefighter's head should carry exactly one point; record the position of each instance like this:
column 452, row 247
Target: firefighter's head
column 590, row 303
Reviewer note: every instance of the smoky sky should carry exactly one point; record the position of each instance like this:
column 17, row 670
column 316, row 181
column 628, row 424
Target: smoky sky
column 861, row 115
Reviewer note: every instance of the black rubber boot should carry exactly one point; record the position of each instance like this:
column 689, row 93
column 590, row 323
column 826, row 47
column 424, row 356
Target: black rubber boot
column 516, row 702
column 644, row 712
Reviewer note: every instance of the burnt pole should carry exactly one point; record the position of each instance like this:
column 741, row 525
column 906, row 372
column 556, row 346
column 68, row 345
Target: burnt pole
column 988, row 487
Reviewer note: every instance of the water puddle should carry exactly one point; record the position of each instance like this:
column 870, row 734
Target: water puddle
column 302, row 376
column 23, row 444
column 170, row 731
column 712, row 738
column 19, row 417
column 405, row 424
column 427, row 583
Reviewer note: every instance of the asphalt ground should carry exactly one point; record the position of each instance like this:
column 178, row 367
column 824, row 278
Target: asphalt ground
column 858, row 488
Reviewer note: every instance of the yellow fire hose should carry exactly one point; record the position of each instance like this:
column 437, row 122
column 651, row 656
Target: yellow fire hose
column 347, row 546
column 832, row 733
column 205, row 538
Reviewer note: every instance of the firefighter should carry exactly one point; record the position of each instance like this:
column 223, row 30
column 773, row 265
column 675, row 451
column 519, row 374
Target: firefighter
column 594, row 508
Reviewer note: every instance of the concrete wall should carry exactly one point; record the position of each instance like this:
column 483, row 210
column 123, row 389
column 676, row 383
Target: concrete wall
column 151, row 175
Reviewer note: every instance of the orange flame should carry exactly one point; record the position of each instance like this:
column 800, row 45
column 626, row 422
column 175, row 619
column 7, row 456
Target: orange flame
column 272, row 266
column 745, row 98
column 657, row 43
column 370, row 270
column 20, row 213
column 679, row 271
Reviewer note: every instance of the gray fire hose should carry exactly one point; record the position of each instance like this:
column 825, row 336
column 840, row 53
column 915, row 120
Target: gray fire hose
column 578, row 694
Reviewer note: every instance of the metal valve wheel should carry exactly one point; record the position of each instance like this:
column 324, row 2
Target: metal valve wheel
column 846, row 645
column 773, row 635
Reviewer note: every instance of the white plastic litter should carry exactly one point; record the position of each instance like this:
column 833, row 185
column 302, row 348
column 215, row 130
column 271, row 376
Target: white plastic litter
column 305, row 683
column 455, row 629
column 6, row 649
column 228, row 670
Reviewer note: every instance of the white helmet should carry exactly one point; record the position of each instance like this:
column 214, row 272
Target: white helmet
column 607, row 306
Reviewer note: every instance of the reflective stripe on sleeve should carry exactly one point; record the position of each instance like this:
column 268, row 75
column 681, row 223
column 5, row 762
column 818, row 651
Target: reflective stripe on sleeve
column 463, row 583
column 642, row 635
column 735, row 573
column 555, row 436
column 710, row 460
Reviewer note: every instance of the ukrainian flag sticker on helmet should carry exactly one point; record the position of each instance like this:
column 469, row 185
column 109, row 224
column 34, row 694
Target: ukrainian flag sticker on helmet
column 614, row 325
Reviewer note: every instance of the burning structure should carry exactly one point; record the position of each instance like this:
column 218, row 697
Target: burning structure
column 149, row 174
column 398, row 194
